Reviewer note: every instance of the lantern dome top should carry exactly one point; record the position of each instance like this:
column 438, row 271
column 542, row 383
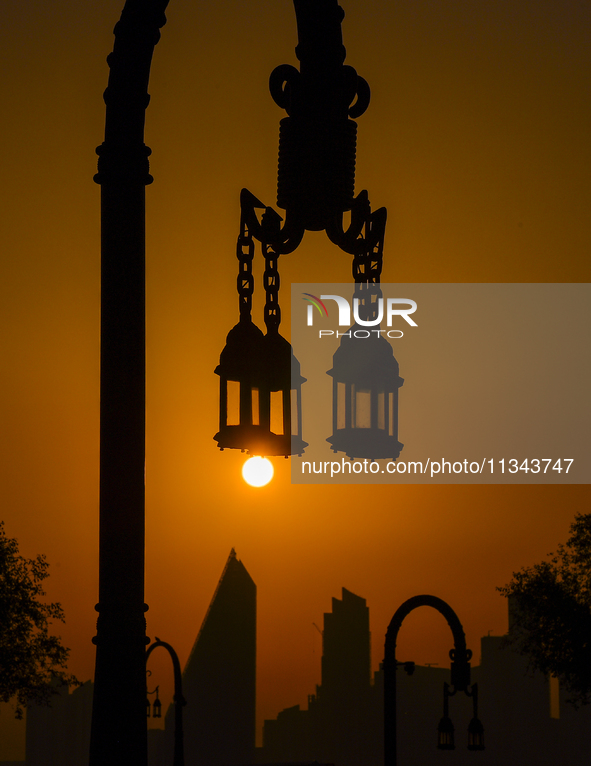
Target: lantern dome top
column 366, row 361
column 244, row 352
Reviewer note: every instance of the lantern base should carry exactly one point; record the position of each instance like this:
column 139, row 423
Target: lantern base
column 365, row 443
column 257, row 440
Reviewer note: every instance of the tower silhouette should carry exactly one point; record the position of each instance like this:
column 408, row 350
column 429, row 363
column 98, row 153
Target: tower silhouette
column 343, row 697
column 346, row 648
column 340, row 723
column 219, row 679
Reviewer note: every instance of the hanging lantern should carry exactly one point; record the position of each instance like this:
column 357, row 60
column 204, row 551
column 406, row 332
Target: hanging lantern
column 260, row 380
column 241, row 372
column 445, row 734
column 241, row 368
column 475, row 727
column 475, row 735
column 283, row 395
column 260, row 394
column 365, row 397
column 445, row 729
column 281, row 408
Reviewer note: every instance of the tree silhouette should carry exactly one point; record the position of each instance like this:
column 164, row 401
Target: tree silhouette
column 32, row 662
column 552, row 612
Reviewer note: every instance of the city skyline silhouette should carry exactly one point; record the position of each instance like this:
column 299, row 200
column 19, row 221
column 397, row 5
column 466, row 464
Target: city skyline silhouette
column 342, row 721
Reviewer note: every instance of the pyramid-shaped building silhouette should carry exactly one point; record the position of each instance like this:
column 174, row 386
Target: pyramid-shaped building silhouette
column 219, row 679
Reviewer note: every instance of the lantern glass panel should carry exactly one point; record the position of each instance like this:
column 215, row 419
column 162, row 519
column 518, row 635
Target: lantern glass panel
column 277, row 412
column 475, row 741
column 255, row 406
column 233, row 403
column 446, row 740
column 362, row 411
column 391, row 413
column 475, row 735
column 445, row 734
column 341, row 422
column 382, row 410
column 294, row 409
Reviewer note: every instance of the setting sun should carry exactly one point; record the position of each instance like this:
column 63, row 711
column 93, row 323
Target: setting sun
column 257, row 471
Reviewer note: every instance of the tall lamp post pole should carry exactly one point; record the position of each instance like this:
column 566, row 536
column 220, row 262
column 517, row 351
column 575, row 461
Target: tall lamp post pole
column 118, row 734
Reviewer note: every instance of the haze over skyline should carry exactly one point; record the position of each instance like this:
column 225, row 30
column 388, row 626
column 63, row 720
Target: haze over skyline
column 476, row 141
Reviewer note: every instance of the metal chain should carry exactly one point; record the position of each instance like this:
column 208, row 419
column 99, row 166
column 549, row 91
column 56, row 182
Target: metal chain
column 271, row 282
column 245, row 280
column 367, row 268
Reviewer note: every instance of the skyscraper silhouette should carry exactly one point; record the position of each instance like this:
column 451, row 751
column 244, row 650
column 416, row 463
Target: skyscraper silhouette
column 343, row 697
column 340, row 723
column 219, row 679
column 346, row 648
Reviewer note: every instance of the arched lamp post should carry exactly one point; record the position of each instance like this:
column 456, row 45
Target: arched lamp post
column 460, row 680
column 178, row 699
column 316, row 187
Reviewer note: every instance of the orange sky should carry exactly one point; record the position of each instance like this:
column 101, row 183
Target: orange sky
column 476, row 140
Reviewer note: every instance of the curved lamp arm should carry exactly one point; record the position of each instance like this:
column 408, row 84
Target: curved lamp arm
column 460, row 666
column 179, row 700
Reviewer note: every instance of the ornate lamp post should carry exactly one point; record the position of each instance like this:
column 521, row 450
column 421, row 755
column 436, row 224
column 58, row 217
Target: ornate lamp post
column 316, row 187
column 460, row 680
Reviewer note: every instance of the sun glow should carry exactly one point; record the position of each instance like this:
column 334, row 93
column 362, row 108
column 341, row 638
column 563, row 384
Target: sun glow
column 257, row 471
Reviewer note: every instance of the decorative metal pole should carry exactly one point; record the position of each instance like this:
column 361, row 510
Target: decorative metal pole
column 178, row 699
column 118, row 734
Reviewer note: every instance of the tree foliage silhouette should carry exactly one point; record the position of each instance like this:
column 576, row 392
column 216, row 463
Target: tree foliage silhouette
column 32, row 662
column 552, row 614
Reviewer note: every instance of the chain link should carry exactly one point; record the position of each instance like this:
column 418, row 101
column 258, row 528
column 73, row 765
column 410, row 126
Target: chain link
column 271, row 282
column 245, row 280
column 367, row 269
